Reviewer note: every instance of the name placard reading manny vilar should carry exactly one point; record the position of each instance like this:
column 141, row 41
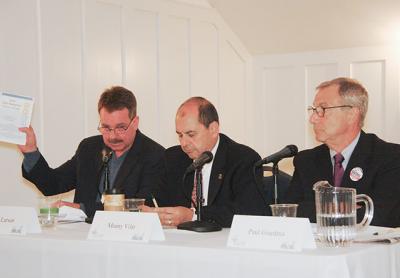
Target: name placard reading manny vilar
column 126, row 226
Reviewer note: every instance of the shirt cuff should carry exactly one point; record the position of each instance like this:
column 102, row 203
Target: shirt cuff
column 30, row 160
column 194, row 217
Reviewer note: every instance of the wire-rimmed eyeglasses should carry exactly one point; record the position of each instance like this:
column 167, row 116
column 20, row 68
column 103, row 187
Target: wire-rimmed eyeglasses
column 320, row 110
column 119, row 130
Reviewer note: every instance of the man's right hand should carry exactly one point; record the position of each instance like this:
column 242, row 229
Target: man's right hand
column 30, row 145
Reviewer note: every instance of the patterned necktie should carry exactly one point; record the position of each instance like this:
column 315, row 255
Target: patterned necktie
column 194, row 191
column 338, row 170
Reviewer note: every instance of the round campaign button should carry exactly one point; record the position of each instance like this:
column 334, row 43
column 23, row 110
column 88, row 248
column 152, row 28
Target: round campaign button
column 356, row 174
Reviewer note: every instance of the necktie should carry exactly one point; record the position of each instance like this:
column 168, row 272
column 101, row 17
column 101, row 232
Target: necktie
column 194, row 191
column 338, row 170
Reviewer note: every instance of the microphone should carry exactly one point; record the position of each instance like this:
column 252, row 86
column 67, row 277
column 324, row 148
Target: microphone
column 204, row 158
column 199, row 225
column 106, row 154
column 288, row 151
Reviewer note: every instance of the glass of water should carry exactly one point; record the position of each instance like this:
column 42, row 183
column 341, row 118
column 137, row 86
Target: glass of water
column 284, row 210
column 48, row 210
column 133, row 205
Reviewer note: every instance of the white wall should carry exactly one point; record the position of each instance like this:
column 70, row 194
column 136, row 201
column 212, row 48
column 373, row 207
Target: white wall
column 64, row 53
column 285, row 86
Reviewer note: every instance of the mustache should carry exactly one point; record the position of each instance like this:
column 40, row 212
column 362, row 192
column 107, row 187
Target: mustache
column 115, row 141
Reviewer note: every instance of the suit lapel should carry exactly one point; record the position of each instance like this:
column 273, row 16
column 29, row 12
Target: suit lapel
column 98, row 168
column 357, row 160
column 188, row 188
column 323, row 164
column 98, row 165
column 217, row 171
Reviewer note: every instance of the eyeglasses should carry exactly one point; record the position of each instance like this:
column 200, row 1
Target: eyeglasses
column 119, row 130
column 320, row 110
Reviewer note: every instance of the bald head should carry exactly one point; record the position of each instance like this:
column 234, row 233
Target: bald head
column 197, row 126
column 205, row 110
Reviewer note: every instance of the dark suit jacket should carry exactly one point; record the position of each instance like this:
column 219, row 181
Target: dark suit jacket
column 137, row 175
column 380, row 162
column 232, row 189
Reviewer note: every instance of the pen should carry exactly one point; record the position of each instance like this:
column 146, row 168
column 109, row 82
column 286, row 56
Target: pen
column 154, row 201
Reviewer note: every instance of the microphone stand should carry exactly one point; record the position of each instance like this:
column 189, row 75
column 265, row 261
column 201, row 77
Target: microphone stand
column 105, row 168
column 199, row 225
column 275, row 174
column 106, row 160
column 106, row 174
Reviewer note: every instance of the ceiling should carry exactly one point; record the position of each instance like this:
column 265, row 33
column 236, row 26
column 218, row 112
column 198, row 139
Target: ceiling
column 284, row 26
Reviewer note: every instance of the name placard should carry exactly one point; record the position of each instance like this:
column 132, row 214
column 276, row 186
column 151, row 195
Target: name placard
column 271, row 233
column 126, row 226
column 18, row 220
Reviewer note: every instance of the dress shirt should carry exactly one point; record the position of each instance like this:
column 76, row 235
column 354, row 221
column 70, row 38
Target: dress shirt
column 346, row 153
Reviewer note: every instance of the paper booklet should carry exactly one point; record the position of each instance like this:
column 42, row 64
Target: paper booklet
column 382, row 235
column 15, row 112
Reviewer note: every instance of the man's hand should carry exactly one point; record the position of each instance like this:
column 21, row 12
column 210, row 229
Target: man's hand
column 171, row 216
column 30, row 145
column 68, row 204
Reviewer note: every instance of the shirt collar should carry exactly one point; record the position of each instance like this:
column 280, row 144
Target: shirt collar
column 346, row 151
column 208, row 166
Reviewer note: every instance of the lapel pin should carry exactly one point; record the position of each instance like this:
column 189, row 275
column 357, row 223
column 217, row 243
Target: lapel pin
column 356, row 174
column 220, row 176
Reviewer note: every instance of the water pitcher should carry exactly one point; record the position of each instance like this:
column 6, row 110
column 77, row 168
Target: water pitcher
column 337, row 215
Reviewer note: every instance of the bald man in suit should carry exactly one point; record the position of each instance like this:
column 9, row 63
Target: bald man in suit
column 229, row 187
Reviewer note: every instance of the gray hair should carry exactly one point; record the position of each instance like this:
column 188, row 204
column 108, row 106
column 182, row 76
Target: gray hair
column 352, row 92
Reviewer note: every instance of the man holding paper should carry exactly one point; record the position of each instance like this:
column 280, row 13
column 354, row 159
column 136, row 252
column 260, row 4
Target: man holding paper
column 134, row 160
column 348, row 157
column 228, row 183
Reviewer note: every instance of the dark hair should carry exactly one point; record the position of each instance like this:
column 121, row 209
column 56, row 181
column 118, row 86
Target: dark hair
column 207, row 111
column 118, row 98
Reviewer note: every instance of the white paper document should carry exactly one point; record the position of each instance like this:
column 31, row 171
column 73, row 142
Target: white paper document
column 15, row 112
column 69, row 214
column 379, row 235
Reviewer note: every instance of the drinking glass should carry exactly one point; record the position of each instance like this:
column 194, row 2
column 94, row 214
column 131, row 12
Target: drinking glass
column 48, row 207
column 284, row 210
column 133, row 205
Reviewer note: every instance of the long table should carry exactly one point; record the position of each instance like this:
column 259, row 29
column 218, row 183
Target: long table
column 65, row 252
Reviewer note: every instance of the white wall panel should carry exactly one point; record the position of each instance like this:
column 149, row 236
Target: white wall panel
column 204, row 61
column 19, row 74
column 371, row 74
column 283, row 117
column 62, row 78
column 315, row 75
column 232, row 107
column 174, row 72
column 102, row 55
column 141, row 62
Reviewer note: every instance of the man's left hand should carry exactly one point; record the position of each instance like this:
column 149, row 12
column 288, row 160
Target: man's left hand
column 171, row 216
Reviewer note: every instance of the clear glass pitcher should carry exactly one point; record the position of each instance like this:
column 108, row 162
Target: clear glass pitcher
column 337, row 215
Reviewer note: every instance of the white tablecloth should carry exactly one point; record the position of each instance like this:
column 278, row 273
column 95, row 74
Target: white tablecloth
column 65, row 252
